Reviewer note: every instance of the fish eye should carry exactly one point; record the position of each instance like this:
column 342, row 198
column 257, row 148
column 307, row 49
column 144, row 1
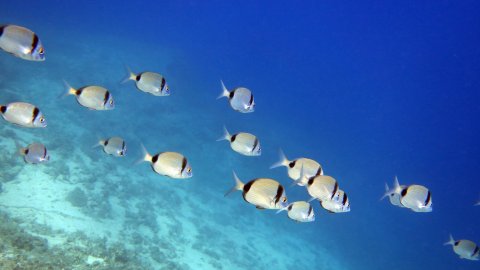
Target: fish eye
column 42, row 120
column 111, row 102
column 189, row 170
column 284, row 199
column 40, row 51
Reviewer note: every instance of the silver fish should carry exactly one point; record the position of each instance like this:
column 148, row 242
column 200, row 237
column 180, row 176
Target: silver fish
column 466, row 249
column 93, row 97
column 35, row 153
column 340, row 206
column 171, row 164
column 417, row 198
column 21, row 42
column 310, row 168
column 149, row 82
column 240, row 99
column 264, row 193
column 115, row 146
column 323, row 188
column 243, row 143
column 23, row 114
column 299, row 211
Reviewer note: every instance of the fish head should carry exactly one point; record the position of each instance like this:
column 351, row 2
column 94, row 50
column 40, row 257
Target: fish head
column 110, row 104
column 187, row 173
column 166, row 90
column 283, row 202
column 40, row 121
column 257, row 151
column 38, row 54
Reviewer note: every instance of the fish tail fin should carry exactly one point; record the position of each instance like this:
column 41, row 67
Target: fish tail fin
column 145, row 156
column 450, row 241
column 130, row 75
column 396, row 189
column 225, row 92
column 69, row 90
column 20, row 149
column 99, row 143
column 283, row 208
column 238, row 185
column 388, row 192
column 283, row 161
column 225, row 136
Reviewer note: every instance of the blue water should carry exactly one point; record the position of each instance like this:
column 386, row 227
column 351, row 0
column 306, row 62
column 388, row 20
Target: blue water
column 369, row 89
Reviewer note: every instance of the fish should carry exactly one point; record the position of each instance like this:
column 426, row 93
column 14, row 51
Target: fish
column 35, row 153
column 243, row 143
column 415, row 197
column 115, row 146
column 21, row 42
column 466, row 249
column 299, row 211
column 310, row 167
column 263, row 193
column 340, row 206
column 240, row 99
column 323, row 188
column 23, row 114
column 92, row 96
column 149, row 82
column 171, row 164
column 393, row 196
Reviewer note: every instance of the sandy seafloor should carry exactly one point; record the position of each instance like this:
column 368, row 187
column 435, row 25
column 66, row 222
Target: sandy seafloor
column 100, row 212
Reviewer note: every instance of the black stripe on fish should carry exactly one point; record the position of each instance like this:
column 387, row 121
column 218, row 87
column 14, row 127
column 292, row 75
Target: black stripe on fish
column 44, row 152
column 34, row 43
column 279, row 193
column 429, row 197
column 106, row 97
column 35, row 114
column 319, row 171
column 1, row 30
column 247, row 187
column 310, row 209
column 138, row 77
column 26, row 151
column 290, row 207
column 456, row 243
column 155, row 158
column 255, row 143
column 231, row 94
column 292, row 164
column 310, row 181
column 477, row 249
column 335, row 188
column 106, row 142
column 163, row 84
column 79, row 91
column 345, row 198
column 184, row 164
column 3, row 109
column 232, row 139
column 251, row 100
column 404, row 192
column 123, row 146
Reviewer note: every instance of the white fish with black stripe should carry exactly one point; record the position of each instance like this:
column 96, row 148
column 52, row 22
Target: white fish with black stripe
column 264, row 193
column 92, row 96
column 240, row 99
column 21, row 42
column 114, row 146
column 323, row 188
column 149, row 82
column 466, row 249
column 35, row 153
column 243, row 143
column 342, row 205
column 171, row 164
column 414, row 197
column 310, row 168
column 23, row 114
column 299, row 211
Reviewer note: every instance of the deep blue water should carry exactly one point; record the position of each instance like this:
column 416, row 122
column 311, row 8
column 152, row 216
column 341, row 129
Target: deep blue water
column 369, row 89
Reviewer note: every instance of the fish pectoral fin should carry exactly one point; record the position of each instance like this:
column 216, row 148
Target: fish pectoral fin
column 260, row 208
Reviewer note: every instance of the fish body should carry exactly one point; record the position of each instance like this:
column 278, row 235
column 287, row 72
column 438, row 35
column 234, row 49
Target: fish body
column 171, row 164
column 21, row 42
column 466, row 249
column 310, row 167
column 323, row 188
column 115, row 146
column 150, row 82
column 243, row 143
column 264, row 193
column 300, row 211
column 35, row 153
column 93, row 97
column 417, row 198
column 240, row 99
column 23, row 114
column 340, row 206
